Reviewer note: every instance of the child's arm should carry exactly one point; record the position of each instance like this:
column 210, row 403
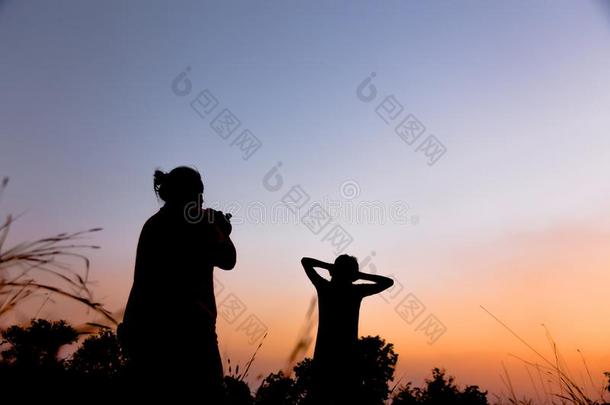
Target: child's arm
column 379, row 284
column 309, row 264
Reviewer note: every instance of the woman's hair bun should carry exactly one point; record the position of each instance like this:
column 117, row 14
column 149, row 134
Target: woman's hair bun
column 159, row 179
column 179, row 185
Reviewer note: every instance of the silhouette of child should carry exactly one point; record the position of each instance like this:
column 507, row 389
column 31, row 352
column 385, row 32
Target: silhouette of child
column 335, row 358
column 169, row 328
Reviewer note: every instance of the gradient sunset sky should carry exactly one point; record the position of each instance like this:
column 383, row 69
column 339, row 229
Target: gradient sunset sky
column 514, row 216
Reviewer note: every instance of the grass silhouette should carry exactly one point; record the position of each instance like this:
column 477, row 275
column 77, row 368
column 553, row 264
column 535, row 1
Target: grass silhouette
column 561, row 387
column 23, row 266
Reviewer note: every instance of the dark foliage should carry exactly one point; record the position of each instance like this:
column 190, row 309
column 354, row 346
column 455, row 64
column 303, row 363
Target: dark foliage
column 37, row 346
column 376, row 362
column 99, row 356
column 377, row 365
column 440, row 390
column 238, row 392
column 277, row 389
column 30, row 359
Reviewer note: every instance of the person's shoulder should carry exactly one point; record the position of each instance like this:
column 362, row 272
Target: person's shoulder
column 155, row 221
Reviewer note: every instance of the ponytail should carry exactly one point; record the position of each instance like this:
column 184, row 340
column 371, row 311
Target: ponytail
column 159, row 179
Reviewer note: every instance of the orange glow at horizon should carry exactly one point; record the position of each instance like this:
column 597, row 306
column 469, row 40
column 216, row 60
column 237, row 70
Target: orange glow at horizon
column 556, row 278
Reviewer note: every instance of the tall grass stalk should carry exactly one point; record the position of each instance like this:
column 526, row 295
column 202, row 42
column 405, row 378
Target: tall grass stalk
column 563, row 389
column 33, row 269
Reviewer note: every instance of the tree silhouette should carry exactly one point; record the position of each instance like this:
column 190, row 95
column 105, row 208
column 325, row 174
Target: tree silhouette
column 303, row 373
column 99, row 356
column 407, row 395
column 237, row 391
column 37, row 346
column 31, row 360
column 376, row 362
column 277, row 389
column 440, row 390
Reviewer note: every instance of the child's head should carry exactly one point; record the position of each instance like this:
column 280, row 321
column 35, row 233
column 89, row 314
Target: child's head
column 345, row 269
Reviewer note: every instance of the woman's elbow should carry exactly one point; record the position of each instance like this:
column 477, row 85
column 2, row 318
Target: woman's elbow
column 227, row 264
column 227, row 257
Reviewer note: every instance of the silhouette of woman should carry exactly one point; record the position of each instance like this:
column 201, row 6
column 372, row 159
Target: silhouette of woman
column 335, row 365
column 169, row 328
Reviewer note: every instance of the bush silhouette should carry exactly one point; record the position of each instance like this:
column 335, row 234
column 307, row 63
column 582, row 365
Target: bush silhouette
column 99, row 356
column 376, row 363
column 30, row 358
column 237, row 391
column 440, row 390
column 277, row 389
column 37, row 346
